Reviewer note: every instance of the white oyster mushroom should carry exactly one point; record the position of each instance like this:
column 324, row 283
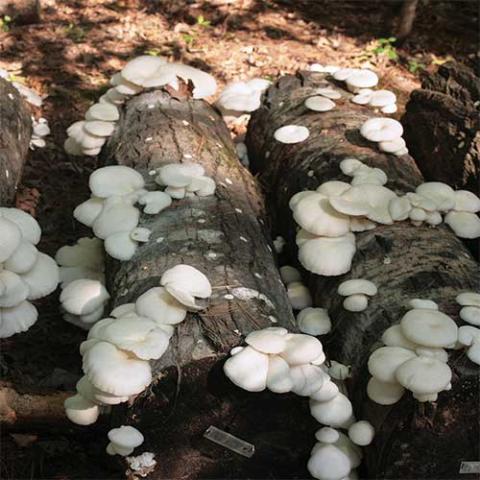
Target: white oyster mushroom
column 392, row 108
column 361, row 433
column 301, row 349
column 17, row 319
column 360, row 79
column 429, row 328
column 336, row 413
column 468, row 335
column 381, row 129
column 422, row 303
column 142, row 68
column 12, row 289
column 299, row 296
column 424, row 375
column 355, row 286
column 328, row 92
column 438, row 353
column 279, row 379
column 392, row 146
column 434, row 218
column 28, row 226
column 117, row 215
column 333, row 187
column 88, row 211
column 352, row 451
column 356, row 303
column 339, row 371
column 473, row 353
column 291, row 134
column 125, row 309
column 315, row 214
column 319, row 104
column 22, row 259
column 384, row 362
column 393, row 337
column 114, row 371
column 140, row 234
column 367, row 175
column 466, row 201
column 95, row 395
column 343, row 73
column 80, row 410
column 359, row 224
column 295, row 199
column 348, row 166
column 43, row 278
column 441, row 194
column 419, row 201
column 10, row 238
column 155, row 202
column 158, row 305
column 290, row 274
column 124, row 440
column 468, row 299
column 87, row 253
column 384, row 393
column 185, row 283
column 179, row 175
column 314, row 321
column 202, row 186
column 248, row 369
column 115, row 180
column 470, row 315
column 327, row 391
column 327, row 435
column 121, row 246
column 382, row 98
column 328, row 256
column 83, row 296
column 307, row 379
column 417, row 215
column 464, row 224
column 363, row 96
column 268, row 340
column 99, row 128
column 100, row 111
column 327, row 462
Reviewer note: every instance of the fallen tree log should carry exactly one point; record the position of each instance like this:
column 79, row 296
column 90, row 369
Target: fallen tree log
column 21, row 11
column 442, row 126
column 15, row 132
column 404, row 262
column 224, row 237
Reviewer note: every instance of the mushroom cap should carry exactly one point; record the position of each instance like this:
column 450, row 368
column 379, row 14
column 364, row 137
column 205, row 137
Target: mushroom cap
column 348, row 166
column 115, row 180
column 248, row 369
column 464, row 224
column 384, row 393
column 441, row 194
column 117, row 216
column 467, row 335
column 355, row 286
column 356, row 303
column 336, row 412
column 158, row 305
column 87, row 212
column 291, row 134
column 327, row 435
column 301, row 349
column 293, row 202
column 384, row 362
column 142, row 68
column 307, row 379
column 333, row 187
column 343, row 73
column 438, row 353
column 83, row 296
column 434, row 218
column 326, row 392
column 470, row 315
column 179, row 175
column 155, row 202
column 279, row 379
column 99, row 111
column 319, row 104
column 268, row 340
column 314, row 321
column 315, row 214
column 352, row 451
column 86, row 253
column 80, row 410
column 430, row 328
column 422, row 303
column 359, row 224
column 17, row 319
column 28, row 226
column 328, row 462
column 299, row 296
column 124, row 309
column 121, row 245
column 125, row 436
column 95, row 395
column 381, row 129
column 468, row 299
column 328, row 92
column 424, row 375
column 114, row 371
column 339, row 371
column 10, row 238
column 382, row 98
column 361, row 433
column 473, row 353
column 290, row 274
column 393, row 337
column 328, row 256
column 13, row 290
column 361, row 78
column 240, row 97
column 22, row 259
column 392, row 146
column 363, row 96
column 466, row 201
column 369, row 176
column 99, row 128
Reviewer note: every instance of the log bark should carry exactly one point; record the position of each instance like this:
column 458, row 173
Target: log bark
column 15, row 132
column 21, row 11
column 406, row 19
column 224, row 237
column 442, row 126
column 402, row 260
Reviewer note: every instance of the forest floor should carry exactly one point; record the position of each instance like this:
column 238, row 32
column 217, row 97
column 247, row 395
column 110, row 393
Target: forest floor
column 69, row 58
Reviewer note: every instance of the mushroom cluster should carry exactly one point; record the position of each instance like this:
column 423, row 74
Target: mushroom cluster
column 387, row 132
column 469, row 336
column 385, row 100
column 356, row 79
column 30, row 95
column 356, row 292
column 322, row 100
column 25, row 273
column 124, row 440
column 86, row 137
column 40, row 130
column 413, row 357
column 117, row 351
column 297, row 293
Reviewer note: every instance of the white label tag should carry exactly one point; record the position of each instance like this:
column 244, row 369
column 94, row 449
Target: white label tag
column 229, row 441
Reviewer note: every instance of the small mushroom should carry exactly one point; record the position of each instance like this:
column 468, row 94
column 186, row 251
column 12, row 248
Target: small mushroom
column 361, row 433
column 314, row 321
column 124, row 440
column 291, row 134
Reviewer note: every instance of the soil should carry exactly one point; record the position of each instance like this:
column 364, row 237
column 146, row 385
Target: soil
column 70, row 56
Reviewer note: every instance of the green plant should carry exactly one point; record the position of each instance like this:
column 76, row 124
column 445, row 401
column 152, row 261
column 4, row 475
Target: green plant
column 202, row 21
column 189, row 39
column 414, row 66
column 5, row 22
column 386, row 47
column 153, row 52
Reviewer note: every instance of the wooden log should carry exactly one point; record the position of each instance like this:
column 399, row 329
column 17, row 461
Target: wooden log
column 442, row 126
column 224, row 237
column 404, row 261
column 15, row 132
column 21, row 11
column 406, row 19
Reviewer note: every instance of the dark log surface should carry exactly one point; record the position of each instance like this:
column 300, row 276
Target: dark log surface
column 15, row 131
column 21, row 11
column 442, row 126
column 402, row 260
column 224, row 237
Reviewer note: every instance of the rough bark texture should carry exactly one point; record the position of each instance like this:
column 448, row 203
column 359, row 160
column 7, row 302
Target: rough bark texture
column 224, row 237
column 407, row 17
column 15, row 131
column 402, row 260
column 442, row 126
column 21, row 11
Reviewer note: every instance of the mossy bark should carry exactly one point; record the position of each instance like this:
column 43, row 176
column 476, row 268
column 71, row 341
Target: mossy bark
column 223, row 236
column 15, row 132
column 412, row 440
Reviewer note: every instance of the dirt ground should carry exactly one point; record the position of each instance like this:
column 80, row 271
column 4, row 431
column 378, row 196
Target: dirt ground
column 70, row 56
